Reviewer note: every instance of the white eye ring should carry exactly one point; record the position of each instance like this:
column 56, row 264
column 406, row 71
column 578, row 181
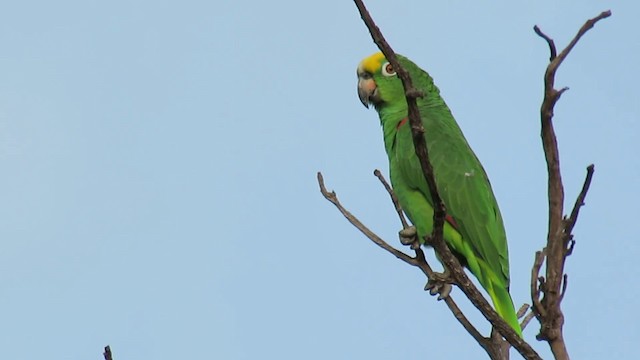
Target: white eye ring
column 387, row 70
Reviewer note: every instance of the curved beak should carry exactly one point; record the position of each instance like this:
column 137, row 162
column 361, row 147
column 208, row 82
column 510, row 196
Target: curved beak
column 367, row 90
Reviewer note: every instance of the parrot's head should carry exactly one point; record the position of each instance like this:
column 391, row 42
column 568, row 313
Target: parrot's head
column 378, row 84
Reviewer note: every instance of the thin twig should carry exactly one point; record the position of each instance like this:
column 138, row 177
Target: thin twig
column 552, row 45
column 107, row 353
column 523, row 310
column 333, row 198
column 583, row 30
column 536, row 284
column 571, row 222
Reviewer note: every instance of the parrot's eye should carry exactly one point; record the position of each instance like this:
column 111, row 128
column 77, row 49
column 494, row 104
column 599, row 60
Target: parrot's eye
column 387, row 70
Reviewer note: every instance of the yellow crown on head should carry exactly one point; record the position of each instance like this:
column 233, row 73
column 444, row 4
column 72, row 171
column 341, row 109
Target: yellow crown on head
column 372, row 63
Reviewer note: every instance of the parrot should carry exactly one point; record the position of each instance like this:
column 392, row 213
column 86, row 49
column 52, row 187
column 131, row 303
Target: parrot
column 473, row 227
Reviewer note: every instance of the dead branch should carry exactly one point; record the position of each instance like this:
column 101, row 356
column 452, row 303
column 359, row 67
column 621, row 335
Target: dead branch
column 333, row 198
column 559, row 238
column 537, row 284
column 418, row 261
column 571, row 221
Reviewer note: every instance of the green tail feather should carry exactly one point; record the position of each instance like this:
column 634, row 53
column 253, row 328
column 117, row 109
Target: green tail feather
column 504, row 307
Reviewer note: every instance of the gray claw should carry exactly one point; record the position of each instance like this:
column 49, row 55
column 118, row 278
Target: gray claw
column 445, row 291
column 440, row 285
column 430, row 285
column 409, row 237
column 434, row 290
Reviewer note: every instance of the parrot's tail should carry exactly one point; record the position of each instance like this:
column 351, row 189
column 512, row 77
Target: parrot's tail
column 504, row 306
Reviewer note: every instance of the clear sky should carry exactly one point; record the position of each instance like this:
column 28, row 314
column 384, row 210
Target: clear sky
column 159, row 159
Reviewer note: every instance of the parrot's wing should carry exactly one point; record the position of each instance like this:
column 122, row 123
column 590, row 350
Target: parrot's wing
column 466, row 192
column 474, row 208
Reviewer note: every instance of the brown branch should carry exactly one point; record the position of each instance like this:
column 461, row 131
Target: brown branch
column 571, row 222
column 418, row 261
column 107, row 353
column 436, row 239
column 537, row 284
column 552, row 45
column 333, row 198
column 476, row 298
column 548, row 310
column 523, row 310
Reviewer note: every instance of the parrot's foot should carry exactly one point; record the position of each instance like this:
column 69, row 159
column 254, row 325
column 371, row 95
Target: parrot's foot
column 409, row 237
column 439, row 284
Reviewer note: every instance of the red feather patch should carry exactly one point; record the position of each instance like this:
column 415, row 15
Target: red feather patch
column 402, row 122
column 451, row 221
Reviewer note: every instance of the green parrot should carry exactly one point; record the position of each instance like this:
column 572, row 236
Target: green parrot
column 473, row 229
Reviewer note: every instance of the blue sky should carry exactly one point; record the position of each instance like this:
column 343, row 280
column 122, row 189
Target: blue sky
column 159, row 162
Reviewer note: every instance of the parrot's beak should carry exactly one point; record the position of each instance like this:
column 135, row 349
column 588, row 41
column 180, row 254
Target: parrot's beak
column 367, row 90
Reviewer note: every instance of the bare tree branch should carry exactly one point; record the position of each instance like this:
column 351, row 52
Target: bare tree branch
column 552, row 45
column 523, row 310
column 537, row 284
column 419, row 260
column 333, row 198
column 559, row 237
column 571, row 222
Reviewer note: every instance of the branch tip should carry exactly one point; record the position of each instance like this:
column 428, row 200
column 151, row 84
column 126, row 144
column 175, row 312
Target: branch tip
column 107, row 353
column 523, row 310
column 552, row 45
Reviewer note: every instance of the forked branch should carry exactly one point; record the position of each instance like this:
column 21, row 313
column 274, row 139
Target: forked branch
column 418, row 261
column 559, row 238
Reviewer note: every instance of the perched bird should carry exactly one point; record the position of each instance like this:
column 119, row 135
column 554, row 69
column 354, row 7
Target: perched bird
column 473, row 229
